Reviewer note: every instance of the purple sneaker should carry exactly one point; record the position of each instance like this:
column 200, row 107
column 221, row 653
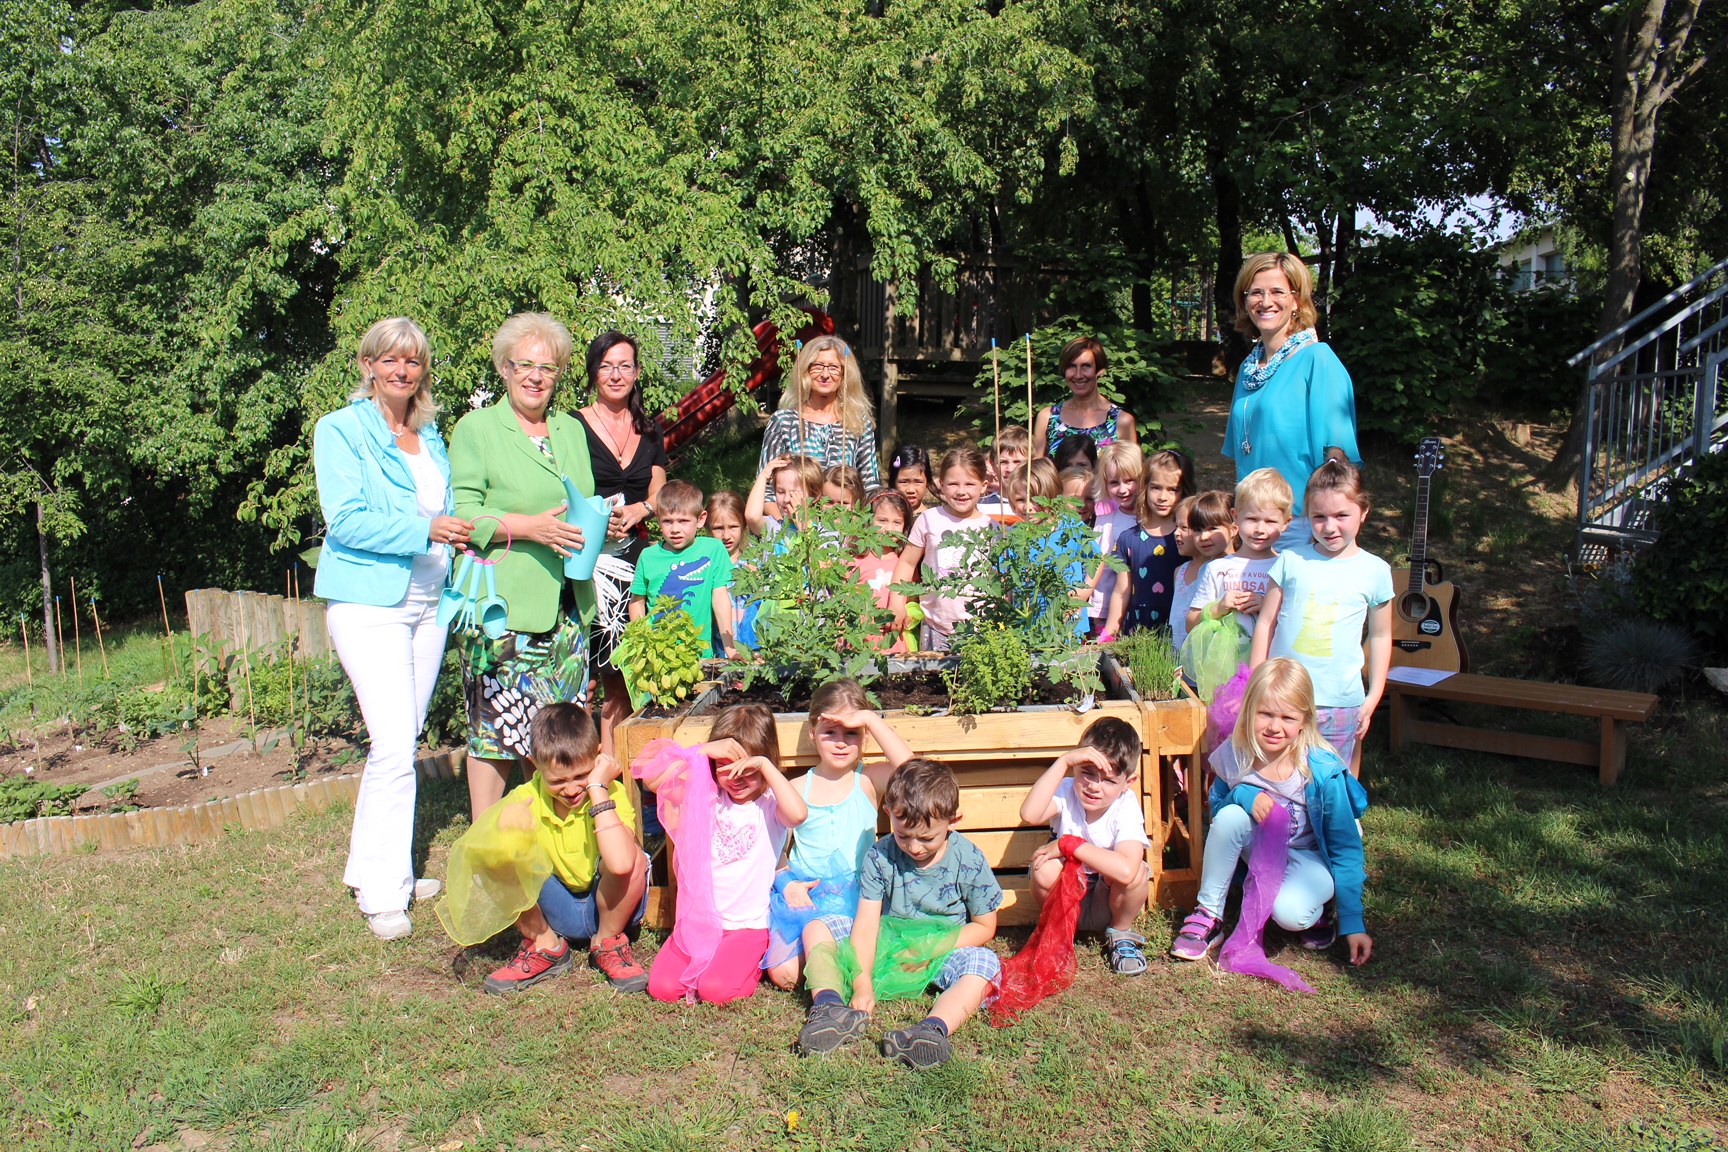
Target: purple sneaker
column 1200, row 933
column 1321, row 935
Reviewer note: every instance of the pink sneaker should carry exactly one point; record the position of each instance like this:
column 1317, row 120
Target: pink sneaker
column 1200, row 933
column 529, row 967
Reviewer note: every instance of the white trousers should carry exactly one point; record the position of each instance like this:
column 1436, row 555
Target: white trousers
column 392, row 657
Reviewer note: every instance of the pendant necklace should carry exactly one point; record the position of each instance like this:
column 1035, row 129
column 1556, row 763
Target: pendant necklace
column 606, row 434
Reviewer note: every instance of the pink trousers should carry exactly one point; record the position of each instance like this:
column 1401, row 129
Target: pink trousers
column 732, row 975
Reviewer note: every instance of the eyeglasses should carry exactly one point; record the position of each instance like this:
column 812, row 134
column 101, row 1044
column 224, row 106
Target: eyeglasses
column 615, row 370
column 825, row 372
column 523, row 367
column 1274, row 294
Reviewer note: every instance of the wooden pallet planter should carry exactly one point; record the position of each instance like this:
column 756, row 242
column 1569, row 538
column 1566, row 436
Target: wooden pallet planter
column 253, row 811
column 996, row 756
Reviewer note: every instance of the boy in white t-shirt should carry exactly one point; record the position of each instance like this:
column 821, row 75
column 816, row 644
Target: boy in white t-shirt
column 1101, row 807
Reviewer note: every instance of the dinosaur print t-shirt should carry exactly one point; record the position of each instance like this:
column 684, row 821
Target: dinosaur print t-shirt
column 690, row 575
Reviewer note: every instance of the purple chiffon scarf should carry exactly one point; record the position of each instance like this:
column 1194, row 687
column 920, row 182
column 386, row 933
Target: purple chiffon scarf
column 1245, row 950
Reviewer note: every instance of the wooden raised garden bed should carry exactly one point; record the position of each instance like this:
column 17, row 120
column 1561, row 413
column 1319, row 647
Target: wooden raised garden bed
column 997, row 756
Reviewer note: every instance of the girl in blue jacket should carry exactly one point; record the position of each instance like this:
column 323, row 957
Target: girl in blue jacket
column 1277, row 756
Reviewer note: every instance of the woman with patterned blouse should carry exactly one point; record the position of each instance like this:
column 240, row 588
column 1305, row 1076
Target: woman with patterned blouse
column 824, row 414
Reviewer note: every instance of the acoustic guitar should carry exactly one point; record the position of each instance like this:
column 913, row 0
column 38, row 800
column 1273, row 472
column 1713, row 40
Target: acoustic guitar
column 1425, row 615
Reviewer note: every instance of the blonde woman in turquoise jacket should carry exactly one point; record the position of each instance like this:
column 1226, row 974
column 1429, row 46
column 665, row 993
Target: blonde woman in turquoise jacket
column 507, row 463
column 384, row 486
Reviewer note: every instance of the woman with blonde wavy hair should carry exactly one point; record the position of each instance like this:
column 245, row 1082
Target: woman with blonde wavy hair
column 824, row 413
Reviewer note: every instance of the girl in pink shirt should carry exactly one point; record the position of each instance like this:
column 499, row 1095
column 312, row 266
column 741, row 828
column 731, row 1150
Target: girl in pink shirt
column 937, row 542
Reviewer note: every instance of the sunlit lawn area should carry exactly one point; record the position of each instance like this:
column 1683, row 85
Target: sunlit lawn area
column 1549, row 973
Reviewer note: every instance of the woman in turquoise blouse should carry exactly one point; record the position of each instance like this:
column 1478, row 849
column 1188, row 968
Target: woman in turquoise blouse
column 507, row 462
column 384, row 487
column 1293, row 397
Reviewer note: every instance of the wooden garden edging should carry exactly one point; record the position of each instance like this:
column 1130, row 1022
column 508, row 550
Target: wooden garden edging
column 196, row 823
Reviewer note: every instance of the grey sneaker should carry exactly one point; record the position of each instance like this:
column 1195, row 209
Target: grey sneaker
column 830, row 1026
column 1126, row 950
column 921, row 1046
column 425, row 888
column 1200, row 933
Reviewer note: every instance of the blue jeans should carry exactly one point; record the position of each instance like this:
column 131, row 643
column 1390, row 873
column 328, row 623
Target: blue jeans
column 1307, row 881
column 576, row 915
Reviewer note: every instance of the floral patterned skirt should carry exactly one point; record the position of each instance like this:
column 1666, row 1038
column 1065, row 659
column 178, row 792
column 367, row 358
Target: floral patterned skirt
column 506, row 682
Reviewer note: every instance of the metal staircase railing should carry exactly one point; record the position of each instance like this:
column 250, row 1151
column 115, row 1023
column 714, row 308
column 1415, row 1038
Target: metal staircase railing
column 1655, row 403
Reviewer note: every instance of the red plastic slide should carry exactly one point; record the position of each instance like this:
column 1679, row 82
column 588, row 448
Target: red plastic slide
column 710, row 399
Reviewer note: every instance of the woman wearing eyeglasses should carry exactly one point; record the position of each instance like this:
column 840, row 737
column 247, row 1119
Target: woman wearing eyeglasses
column 824, row 414
column 507, row 461
column 629, row 458
column 1087, row 411
column 1293, row 397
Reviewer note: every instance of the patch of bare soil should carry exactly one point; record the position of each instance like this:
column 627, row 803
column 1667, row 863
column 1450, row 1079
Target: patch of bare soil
column 219, row 758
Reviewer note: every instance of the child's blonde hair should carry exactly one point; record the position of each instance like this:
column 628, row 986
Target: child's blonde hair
column 808, row 471
column 1283, row 681
column 1046, row 483
column 1122, row 458
column 847, row 477
column 1014, row 436
column 726, row 503
column 1265, row 488
column 843, row 693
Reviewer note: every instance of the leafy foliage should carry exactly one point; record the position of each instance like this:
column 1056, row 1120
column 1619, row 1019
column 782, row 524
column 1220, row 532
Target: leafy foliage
column 818, row 620
column 22, row 798
column 1023, row 578
column 1150, row 661
column 1139, row 377
column 1684, row 578
column 661, row 654
column 994, row 671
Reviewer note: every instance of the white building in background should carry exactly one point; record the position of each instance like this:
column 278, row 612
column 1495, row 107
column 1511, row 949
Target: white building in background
column 1533, row 259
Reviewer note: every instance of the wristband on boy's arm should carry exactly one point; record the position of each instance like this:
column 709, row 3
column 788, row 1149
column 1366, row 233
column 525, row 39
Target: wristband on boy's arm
column 603, row 807
column 1069, row 846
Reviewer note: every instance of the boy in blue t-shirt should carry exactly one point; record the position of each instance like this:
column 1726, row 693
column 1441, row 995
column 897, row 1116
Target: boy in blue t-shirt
column 687, row 565
column 922, row 882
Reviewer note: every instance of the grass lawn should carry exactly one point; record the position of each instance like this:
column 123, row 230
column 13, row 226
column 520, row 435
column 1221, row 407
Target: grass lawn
column 1549, row 973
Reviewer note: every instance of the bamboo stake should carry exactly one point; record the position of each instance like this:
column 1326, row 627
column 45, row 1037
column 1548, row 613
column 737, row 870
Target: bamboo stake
column 287, row 597
column 100, row 643
column 167, row 629
column 305, row 681
column 1031, row 414
column 77, row 632
column 24, row 627
column 60, row 633
column 996, row 369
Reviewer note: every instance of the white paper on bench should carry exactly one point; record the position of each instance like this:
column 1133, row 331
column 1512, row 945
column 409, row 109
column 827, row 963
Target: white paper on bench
column 1422, row 676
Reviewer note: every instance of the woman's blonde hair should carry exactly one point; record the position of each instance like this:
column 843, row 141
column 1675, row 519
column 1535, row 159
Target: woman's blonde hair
column 854, row 405
column 526, row 326
column 1303, row 316
column 398, row 334
column 1286, row 682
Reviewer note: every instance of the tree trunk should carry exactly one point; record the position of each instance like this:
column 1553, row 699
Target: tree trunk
column 1648, row 45
column 1227, row 201
column 50, row 638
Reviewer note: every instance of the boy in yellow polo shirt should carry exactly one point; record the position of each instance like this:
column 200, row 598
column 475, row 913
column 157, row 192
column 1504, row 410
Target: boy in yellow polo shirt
column 558, row 857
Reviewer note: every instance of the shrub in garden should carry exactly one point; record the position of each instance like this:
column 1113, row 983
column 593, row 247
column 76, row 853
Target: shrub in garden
column 660, row 655
column 1683, row 579
column 1637, row 655
column 994, row 670
column 1151, row 662
column 818, row 620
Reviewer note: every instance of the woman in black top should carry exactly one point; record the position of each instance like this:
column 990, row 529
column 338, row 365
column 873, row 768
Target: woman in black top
column 628, row 454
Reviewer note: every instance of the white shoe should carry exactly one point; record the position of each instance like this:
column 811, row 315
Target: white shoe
column 389, row 925
column 425, row 888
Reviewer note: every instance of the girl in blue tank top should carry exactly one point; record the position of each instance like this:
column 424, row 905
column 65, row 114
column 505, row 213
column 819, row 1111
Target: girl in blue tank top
column 842, row 792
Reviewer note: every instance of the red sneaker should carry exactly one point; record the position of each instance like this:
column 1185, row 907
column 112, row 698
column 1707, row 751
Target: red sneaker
column 612, row 955
column 529, row 967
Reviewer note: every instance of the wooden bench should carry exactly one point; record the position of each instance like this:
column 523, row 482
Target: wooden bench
column 1612, row 708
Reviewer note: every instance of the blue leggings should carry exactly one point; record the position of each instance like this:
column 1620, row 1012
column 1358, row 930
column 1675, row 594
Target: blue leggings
column 1307, row 881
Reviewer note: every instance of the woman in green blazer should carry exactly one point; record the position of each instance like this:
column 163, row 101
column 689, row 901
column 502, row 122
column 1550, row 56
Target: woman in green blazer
column 507, row 461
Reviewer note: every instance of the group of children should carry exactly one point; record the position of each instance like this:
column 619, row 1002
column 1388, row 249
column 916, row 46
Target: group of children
column 856, row 918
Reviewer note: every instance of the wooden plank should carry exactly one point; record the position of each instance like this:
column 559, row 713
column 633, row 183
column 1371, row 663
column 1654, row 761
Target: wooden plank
column 1010, row 850
column 1612, row 752
column 1573, row 699
column 1506, row 743
column 984, row 808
